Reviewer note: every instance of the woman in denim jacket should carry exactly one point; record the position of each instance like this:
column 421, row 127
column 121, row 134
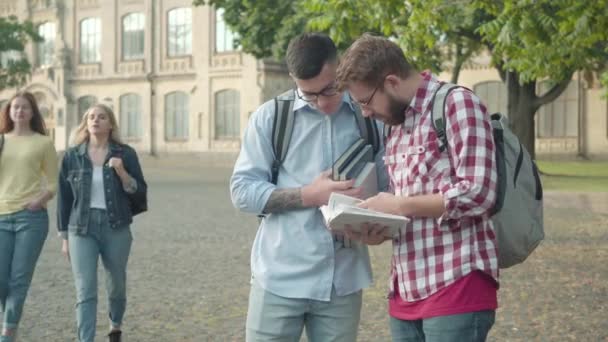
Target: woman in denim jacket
column 27, row 157
column 101, row 187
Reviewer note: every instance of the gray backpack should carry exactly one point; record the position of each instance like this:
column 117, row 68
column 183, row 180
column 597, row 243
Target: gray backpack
column 518, row 212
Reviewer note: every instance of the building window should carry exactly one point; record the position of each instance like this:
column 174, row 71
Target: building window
column 559, row 119
column 46, row 48
column 90, row 40
column 176, row 115
column 10, row 56
column 227, row 114
column 180, row 32
column 130, row 116
column 133, row 36
column 224, row 37
column 494, row 95
column 85, row 103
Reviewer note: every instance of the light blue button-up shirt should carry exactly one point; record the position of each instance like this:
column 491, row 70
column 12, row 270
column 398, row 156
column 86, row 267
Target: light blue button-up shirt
column 294, row 255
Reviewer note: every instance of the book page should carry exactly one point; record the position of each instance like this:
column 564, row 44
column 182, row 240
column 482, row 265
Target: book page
column 342, row 210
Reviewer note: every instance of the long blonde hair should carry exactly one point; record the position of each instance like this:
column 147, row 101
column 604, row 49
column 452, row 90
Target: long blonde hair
column 82, row 132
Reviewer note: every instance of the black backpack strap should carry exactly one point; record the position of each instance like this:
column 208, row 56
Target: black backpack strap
column 282, row 129
column 386, row 132
column 367, row 129
column 1, row 143
column 438, row 112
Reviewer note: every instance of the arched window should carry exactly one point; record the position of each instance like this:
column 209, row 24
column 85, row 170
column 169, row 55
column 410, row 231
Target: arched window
column 46, row 48
column 227, row 114
column 130, row 116
column 176, row 115
column 133, row 36
column 559, row 118
column 179, row 32
column 494, row 95
column 84, row 103
column 90, row 40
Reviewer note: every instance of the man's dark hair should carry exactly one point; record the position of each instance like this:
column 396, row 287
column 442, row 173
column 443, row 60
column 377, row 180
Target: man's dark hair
column 308, row 53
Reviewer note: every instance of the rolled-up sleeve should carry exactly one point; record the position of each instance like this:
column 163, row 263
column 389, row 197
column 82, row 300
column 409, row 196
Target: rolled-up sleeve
column 250, row 184
column 471, row 191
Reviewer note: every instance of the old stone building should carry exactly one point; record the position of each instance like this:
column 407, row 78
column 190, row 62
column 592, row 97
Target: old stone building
column 169, row 70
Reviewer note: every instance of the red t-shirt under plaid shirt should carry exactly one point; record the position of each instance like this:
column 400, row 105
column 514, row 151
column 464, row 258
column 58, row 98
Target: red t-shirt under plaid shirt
column 430, row 253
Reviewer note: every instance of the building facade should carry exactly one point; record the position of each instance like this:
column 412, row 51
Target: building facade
column 169, row 70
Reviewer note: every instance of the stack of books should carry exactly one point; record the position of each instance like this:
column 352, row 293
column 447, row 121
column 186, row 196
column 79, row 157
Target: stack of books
column 357, row 162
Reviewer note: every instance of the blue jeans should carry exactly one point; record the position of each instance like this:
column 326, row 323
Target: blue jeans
column 470, row 327
column 114, row 246
column 274, row 318
column 22, row 235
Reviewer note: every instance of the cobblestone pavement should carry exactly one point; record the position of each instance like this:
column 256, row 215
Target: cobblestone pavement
column 189, row 272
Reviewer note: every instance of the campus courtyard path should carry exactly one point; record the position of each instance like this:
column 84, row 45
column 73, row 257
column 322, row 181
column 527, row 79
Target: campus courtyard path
column 189, row 271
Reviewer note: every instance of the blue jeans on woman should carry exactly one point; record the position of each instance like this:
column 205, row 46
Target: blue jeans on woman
column 113, row 245
column 22, row 235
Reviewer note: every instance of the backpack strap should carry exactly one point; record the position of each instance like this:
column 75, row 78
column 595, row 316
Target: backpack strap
column 368, row 129
column 386, row 132
column 438, row 112
column 282, row 129
column 1, row 143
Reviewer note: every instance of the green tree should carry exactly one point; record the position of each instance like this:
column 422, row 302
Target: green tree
column 264, row 27
column 529, row 40
column 13, row 38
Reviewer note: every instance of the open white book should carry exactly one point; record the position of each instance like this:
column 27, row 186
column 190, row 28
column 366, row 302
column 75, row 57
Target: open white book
column 342, row 210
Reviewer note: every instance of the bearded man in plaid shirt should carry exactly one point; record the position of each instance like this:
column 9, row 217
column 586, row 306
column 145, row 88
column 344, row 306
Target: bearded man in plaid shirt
column 444, row 268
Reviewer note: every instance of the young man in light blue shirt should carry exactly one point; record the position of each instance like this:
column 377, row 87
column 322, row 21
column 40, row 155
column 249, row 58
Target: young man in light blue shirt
column 302, row 276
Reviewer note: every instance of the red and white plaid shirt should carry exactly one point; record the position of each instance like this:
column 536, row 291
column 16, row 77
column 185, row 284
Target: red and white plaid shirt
column 430, row 253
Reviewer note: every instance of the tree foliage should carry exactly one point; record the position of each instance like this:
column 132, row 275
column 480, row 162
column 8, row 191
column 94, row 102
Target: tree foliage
column 13, row 38
column 529, row 40
column 263, row 27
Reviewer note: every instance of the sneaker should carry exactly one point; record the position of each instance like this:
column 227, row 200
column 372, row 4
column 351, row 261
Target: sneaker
column 114, row 336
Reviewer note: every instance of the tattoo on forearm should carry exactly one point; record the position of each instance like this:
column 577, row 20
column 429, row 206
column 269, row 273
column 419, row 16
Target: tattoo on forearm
column 284, row 199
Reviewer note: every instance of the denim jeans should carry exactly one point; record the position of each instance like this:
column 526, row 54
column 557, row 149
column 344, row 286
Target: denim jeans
column 22, row 235
column 274, row 318
column 470, row 327
column 113, row 245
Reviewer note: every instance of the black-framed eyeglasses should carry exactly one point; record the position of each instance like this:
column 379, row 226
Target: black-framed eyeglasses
column 329, row 91
column 370, row 98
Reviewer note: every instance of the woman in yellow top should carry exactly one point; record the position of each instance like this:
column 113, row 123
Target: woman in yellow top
column 27, row 157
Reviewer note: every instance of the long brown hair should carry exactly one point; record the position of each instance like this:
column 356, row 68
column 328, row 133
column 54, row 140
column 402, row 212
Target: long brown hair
column 36, row 123
column 82, row 132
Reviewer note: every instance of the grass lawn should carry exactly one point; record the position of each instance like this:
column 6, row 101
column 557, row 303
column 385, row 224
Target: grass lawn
column 574, row 175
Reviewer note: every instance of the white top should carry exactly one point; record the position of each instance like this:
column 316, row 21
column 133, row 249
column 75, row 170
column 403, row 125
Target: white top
column 98, row 197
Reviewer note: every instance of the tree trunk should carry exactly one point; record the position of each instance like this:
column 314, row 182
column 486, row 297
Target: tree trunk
column 521, row 106
column 458, row 62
